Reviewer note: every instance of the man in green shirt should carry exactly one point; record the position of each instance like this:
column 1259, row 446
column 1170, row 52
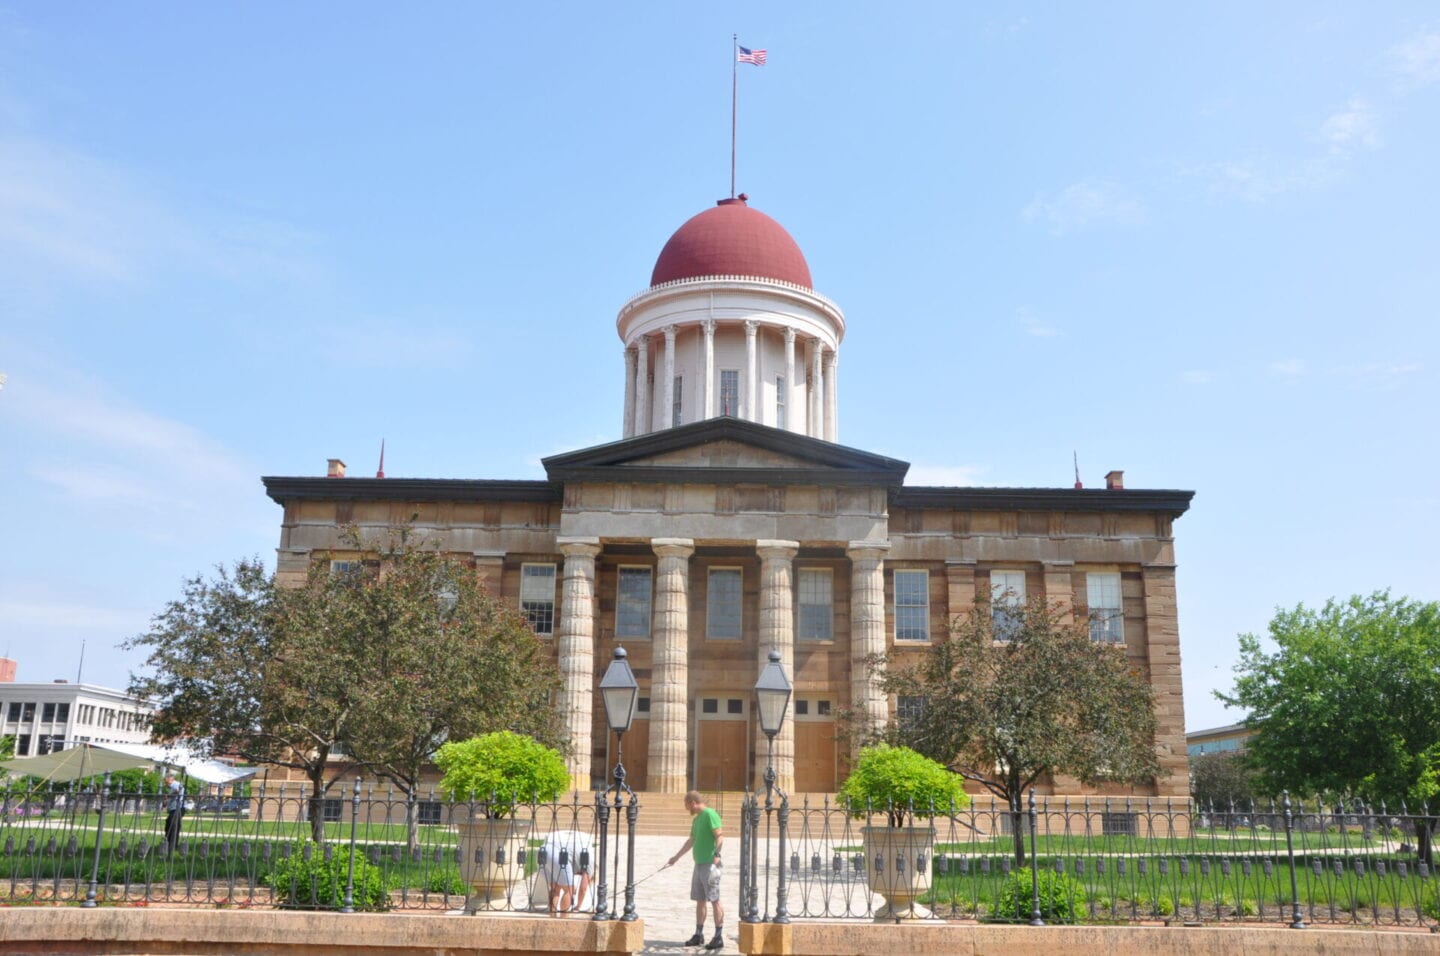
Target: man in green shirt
column 704, row 844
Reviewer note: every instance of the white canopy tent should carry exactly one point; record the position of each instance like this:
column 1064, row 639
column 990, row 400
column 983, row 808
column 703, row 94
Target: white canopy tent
column 87, row 760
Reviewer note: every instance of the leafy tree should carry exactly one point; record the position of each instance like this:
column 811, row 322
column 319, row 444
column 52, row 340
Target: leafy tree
column 1009, row 698
column 1220, row 780
column 447, row 662
column 1348, row 702
column 383, row 662
column 255, row 670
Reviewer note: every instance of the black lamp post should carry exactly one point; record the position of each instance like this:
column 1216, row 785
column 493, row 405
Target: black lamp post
column 620, row 692
column 772, row 692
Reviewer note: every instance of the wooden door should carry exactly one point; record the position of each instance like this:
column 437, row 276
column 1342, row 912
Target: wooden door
column 720, row 755
column 637, row 754
column 814, row 756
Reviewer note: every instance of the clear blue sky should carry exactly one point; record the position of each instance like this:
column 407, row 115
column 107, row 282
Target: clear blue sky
column 1195, row 242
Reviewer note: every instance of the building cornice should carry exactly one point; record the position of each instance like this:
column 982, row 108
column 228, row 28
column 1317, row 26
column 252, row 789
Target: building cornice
column 1169, row 502
column 282, row 489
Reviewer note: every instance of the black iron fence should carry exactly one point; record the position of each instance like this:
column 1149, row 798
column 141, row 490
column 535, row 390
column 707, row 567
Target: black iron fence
column 357, row 850
column 1095, row 860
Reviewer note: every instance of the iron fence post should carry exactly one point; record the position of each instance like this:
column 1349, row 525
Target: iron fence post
column 632, row 813
column 1035, row 917
column 90, row 902
column 746, row 916
column 781, row 915
column 602, row 813
column 1295, row 921
column 349, row 906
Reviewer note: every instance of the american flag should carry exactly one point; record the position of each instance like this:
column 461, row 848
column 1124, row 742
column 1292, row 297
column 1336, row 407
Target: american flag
column 748, row 55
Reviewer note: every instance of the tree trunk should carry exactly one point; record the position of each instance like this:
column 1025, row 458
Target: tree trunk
column 317, row 813
column 1017, row 828
column 412, row 824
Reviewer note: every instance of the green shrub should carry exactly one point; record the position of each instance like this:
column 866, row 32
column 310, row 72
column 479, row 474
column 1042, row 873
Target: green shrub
column 502, row 769
column 447, row 882
column 318, row 883
column 1061, row 897
column 895, row 780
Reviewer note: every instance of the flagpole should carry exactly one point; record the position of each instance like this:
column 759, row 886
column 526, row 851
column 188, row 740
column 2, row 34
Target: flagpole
column 734, row 86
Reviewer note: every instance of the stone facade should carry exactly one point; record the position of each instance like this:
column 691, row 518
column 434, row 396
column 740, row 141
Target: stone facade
column 693, row 547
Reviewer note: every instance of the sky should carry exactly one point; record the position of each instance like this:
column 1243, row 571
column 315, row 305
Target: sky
column 1194, row 242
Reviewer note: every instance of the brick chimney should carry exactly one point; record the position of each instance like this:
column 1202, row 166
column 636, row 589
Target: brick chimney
column 1114, row 480
column 7, row 670
column 335, row 468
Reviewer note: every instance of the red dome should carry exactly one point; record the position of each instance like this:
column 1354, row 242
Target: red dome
column 731, row 240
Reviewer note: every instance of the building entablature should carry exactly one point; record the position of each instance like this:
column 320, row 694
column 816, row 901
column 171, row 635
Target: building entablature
column 775, row 303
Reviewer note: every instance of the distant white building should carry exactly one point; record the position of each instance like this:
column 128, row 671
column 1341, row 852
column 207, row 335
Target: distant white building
column 47, row 717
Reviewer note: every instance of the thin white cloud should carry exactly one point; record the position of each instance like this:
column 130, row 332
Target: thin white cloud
column 1380, row 376
column 1197, row 376
column 946, row 476
column 92, row 485
column 65, row 213
column 1085, row 204
column 1416, row 60
column 1033, row 325
column 1261, row 177
column 1352, row 126
column 1288, row 369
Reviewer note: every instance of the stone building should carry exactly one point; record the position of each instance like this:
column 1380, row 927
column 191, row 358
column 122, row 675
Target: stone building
column 728, row 521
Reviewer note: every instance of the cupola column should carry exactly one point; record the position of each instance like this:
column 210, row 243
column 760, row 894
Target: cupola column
column 792, row 414
column 777, row 632
column 867, row 632
column 667, row 386
column 832, row 427
column 752, row 373
column 709, row 361
column 816, row 412
column 576, row 651
column 628, row 426
column 670, row 676
column 642, row 385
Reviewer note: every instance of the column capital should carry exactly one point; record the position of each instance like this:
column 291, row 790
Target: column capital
column 578, row 547
column 874, row 550
column 669, row 332
column 673, row 547
column 772, row 549
column 708, row 326
column 751, row 327
column 789, row 335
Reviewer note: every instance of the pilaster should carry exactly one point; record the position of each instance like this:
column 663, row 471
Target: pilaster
column 959, row 588
column 670, row 679
column 1162, row 647
column 1060, row 587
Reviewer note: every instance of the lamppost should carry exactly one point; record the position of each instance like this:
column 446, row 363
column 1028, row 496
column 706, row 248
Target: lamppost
column 619, row 691
column 772, row 692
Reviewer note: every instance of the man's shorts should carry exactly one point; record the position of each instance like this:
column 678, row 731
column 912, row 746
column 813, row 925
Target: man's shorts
column 705, row 883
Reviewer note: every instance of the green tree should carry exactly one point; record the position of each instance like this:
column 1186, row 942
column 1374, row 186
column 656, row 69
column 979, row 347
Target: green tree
column 1222, row 780
column 449, row 662
column 1005, row 699
column 254, row 670
column 1348, row 702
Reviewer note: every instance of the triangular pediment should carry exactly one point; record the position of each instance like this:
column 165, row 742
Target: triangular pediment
column 725, row 449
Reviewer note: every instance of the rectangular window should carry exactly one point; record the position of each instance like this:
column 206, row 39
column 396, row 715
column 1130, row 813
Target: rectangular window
column 429, row 812
column 62, row 713
column 632, row 603
column 908, row 711
column 1119, row 824
column 912, row 605
column 537, row 597
column 1107, row 615
column 677, row 403
column 47, row 714
column 729, row 391
column 710, row 705
column 22, row 745
column 813, row 617
column 27, row 712
column 723, row 605
column 15, row 711
column 1007, row 595
column 345, row 568
column 332, row 809
column 802, row 707
column 780, row 401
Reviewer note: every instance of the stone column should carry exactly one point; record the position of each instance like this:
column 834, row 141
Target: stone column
column 668, row 770
column 816, row 426
column 642, row 385
column 628, row 427
column 752, row 374
column 709, row 363
column 667, row 387
column 867, row 630
column 1162, row 648
column 792, row 414
column 576, row 651
column 832, row 425
column 777, row 632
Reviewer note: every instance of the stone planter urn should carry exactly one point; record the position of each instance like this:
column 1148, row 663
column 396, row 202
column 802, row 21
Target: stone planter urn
column 898, row 864
column 493, row 853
